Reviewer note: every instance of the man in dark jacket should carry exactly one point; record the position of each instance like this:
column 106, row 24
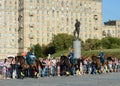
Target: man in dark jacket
column 101, row 57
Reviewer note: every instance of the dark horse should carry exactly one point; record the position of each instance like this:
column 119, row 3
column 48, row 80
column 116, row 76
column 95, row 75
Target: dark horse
column 26, row 69
column 65, row 65
column 21, row 66
column 96, row 63
column 35, row 67
column 77, row 29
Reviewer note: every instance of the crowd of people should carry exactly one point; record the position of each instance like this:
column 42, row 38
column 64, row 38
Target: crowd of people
column 32, row 67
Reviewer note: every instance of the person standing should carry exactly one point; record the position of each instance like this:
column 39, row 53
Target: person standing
column 58, row 66
column 101, row 57
column 13, row 68
column 4, row 69
column 29, row 62
column 7, row 69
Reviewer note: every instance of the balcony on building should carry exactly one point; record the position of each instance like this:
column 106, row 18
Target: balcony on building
column 95, row 28
column 20, row 27
column 21, row 8
column 31, row 25
column 30, row 13
column 31, row 36
column 95, row 17
column 21, row 14
column 20, row 39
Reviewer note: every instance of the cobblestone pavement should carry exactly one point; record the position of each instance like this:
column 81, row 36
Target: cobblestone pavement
column 112, row 79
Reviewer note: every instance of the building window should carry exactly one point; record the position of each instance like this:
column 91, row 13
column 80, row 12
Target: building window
column 37, row 1
column 31, row 7
column 10, row 29
column 85, row 35
column 62, row 3
column 31, row 1
column 80, row 4
column 113, row 32
column 108, row 33
column 47, row 1
column 53, row 2
column 42, row 1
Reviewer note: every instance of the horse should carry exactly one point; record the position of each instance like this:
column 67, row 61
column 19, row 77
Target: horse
column 65, row 65
column 21, row 60
column 21, row 65
column 35, row 67
column 97, row 63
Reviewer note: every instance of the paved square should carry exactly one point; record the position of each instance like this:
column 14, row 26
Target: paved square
column 112, row 79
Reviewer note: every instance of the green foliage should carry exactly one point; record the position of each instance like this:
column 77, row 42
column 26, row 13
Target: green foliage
column 105, row 43
column 49, row 49
column 107, row 52
column 58, row 54
column 37, row 49
column 92, row 44
column 110, row 42
column 85, row 46
column 59, row 42
column 62, row 41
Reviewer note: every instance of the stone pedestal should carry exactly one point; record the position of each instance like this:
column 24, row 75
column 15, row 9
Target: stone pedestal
column 77, row 48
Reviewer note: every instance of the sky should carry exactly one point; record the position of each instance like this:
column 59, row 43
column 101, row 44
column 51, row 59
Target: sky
column 110, row 10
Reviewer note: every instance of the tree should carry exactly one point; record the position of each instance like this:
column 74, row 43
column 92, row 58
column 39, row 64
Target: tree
column 38, row 50
column 110, row 42
column 50, row 49
column 93, row 43
column 97, row 44
column 62, row 41
column 59, row 42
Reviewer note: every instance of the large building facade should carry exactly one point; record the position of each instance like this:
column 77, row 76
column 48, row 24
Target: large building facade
column 38, row 20
column 8, row 27
column 111, row 28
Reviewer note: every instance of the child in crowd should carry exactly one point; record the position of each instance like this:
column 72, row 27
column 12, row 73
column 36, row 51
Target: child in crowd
column 4, row 69
column 81, row 68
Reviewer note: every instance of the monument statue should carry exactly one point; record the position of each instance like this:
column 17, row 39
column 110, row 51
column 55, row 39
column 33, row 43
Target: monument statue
column 76, row 41
column 77, row 29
